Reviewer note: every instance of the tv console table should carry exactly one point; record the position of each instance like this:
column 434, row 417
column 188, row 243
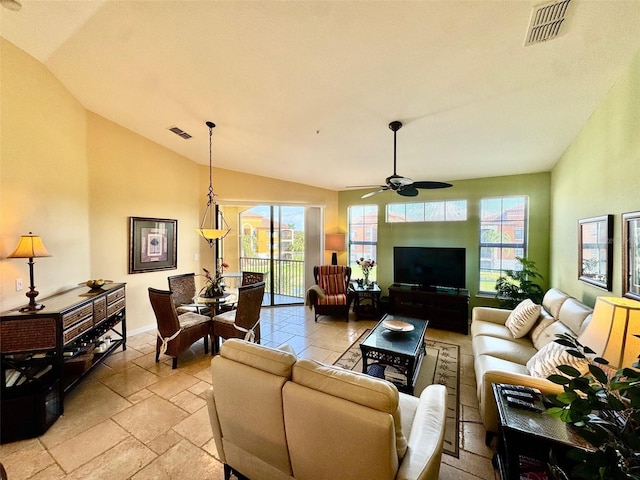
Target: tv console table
column 46, row 353
column 447, row 309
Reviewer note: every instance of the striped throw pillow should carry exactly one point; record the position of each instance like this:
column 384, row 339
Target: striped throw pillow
column 333, row 283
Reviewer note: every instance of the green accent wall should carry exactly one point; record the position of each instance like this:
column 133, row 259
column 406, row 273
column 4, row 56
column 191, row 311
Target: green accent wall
column 597, row 175
column 457, row 234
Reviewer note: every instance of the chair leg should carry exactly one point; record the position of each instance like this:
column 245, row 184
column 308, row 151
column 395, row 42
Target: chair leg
column 206, row 344
column 174, row 363
column 157, row 353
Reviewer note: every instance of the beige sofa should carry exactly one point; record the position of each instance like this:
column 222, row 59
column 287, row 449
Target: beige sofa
column 501, row 358
column 276, row 417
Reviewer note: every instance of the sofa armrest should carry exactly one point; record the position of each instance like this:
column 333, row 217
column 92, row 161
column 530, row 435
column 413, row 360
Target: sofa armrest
column 490, row 314
column 215, row 423
column 425, row 442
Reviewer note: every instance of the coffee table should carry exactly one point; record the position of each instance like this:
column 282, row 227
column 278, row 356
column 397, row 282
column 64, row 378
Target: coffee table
column 402, row 350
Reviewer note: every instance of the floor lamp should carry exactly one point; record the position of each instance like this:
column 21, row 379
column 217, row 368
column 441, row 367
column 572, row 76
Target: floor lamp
column 30, row 246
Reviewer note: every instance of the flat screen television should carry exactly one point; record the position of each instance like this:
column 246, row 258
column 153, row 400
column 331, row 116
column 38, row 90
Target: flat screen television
column 429, row 267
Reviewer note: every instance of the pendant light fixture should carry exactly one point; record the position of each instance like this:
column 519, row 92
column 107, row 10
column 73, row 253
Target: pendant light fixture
column 209, row 228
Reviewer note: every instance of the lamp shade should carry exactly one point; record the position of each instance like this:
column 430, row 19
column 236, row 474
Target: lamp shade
column 30, row 246
column 334, row 242
column 610, row 333
column 212, row 233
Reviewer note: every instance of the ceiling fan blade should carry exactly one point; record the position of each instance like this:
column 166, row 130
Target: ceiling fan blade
column 408, row 191
column 375, row 192
column 431, row 185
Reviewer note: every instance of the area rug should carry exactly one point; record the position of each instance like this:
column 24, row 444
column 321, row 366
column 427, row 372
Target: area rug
column 440, row 365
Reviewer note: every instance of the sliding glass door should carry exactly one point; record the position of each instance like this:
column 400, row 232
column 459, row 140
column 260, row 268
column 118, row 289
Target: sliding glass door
column 271, row 240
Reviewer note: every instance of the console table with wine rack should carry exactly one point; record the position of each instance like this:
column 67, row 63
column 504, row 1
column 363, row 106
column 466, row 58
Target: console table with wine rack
column 46, row 353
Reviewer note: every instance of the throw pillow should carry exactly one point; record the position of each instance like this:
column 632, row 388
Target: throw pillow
column 522, row 318
column 545, row 361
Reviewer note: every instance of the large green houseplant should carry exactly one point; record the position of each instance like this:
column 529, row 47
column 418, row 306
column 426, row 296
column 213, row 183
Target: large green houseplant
column 604, row 408
column 518, row 285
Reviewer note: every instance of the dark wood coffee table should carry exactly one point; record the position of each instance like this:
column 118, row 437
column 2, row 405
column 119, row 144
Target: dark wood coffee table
column 402, row 350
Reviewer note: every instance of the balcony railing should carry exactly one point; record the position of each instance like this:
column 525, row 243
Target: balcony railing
column 288, row 275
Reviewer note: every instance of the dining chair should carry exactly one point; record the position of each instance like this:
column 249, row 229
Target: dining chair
column 242, row 322
column 176, row 333
column 183, row 287
column 252, row 277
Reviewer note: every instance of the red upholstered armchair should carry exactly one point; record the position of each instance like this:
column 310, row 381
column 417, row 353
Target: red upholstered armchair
column 331, row 297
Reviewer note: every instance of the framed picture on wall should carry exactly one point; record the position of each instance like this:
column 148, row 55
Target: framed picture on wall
column 631, row 255
column 595, row 249
column 153, row 244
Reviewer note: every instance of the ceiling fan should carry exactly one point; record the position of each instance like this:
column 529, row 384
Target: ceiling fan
column 403, row 185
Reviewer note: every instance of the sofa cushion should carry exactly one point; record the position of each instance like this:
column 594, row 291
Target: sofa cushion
column 573, row 314
column 549, row 334
column 490, row 329
column 522, row 318
column 355, row 387
column 553, row 300
column 276, row 362
column 544, row 320
column 552, row 355
column 512, row 350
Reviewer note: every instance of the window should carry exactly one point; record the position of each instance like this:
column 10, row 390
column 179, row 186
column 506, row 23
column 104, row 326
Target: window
column 449, row 211
column 503, row 237
column 363, row 237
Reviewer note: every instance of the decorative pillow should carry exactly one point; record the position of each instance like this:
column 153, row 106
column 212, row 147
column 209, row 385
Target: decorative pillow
column 522, row 318
column 544, row 363
column 333, row 283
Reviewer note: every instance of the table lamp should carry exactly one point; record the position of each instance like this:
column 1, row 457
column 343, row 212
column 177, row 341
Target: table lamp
column 609, row 333
column 30, row 246
column 335, row 242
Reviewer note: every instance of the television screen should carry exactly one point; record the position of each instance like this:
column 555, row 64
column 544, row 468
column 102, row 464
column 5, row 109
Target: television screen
column 430, row 266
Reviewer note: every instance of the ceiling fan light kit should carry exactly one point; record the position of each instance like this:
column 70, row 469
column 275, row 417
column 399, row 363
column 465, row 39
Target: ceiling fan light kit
column 403, row 185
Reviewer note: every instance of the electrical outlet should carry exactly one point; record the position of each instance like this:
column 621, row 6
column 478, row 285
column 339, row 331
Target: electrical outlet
column 18, row 284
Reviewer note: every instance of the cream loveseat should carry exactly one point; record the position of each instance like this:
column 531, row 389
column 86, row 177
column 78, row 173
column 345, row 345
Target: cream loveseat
column 276, row 417
column 501, row 358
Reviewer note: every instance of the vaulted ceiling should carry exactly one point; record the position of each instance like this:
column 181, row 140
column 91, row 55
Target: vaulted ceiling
column 304, row 90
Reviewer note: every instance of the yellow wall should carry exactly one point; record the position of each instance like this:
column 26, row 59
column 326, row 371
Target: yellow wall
column 44, row 176
column 75, row 178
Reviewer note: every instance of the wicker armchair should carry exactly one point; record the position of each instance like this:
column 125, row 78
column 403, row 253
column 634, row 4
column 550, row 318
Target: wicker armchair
column 176, row 333
column 332, row 281
column 242, row 322
column 183, row 288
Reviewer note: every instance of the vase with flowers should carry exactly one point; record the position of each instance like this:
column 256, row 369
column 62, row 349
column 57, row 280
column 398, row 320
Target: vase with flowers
column 215, row 283
column 366, row 266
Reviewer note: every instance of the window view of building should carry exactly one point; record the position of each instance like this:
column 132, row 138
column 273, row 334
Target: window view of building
column 503, row 237
column 363, row 237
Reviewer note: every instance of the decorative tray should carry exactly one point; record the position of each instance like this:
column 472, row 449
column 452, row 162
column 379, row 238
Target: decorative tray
column 397, row 326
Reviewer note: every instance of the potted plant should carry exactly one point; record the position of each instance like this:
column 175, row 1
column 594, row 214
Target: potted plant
column 604, row 408
column 518, row 285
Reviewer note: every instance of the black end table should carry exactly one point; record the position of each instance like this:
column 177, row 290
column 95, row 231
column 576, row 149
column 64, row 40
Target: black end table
column 526, row 437
column 366, row 300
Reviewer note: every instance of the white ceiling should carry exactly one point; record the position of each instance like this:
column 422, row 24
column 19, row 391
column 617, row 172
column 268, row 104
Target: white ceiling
column 304, row 91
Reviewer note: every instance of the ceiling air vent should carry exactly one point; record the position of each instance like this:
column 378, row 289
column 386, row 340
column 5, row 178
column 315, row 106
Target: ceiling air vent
column 180, row 132
column 546, row 21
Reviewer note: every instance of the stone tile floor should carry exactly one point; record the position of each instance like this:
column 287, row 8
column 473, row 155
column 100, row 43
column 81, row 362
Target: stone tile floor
column 134, row 419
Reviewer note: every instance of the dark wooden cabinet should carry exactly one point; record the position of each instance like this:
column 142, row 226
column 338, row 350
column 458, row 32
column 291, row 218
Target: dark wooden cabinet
column 44, row 354
column 447, row 309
